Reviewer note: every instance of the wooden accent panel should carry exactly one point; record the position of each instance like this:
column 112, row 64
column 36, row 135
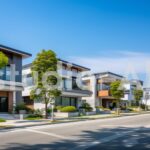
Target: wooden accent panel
column 2, row 93
column 10, row 101
column 103, row 93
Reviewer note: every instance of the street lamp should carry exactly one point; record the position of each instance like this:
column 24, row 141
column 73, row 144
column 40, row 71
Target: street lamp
column 147, row 96
column 52, row 102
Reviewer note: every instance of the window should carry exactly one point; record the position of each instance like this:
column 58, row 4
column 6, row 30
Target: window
column 5, row 73
column 66, row 101
column 74, row 84
column 28, row 80
column 64, row 83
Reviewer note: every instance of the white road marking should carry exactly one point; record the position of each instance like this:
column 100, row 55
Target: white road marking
column 49, row 134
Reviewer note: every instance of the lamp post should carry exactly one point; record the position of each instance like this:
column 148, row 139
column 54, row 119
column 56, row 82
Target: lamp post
column 147, row 96
column 52, row 102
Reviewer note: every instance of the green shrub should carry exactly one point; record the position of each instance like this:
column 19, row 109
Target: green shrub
column 2, row 120
column 100, row 107
column 38, row 112
column 87, row 107
column 68, row 109
column 21, row 106
column 49, row 110
column 59, row 107
column 34, row 117
column 143, row 106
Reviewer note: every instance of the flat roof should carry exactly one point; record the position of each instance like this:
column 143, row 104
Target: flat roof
column 73, row 64
column 16, row 51
column 63, row 61
column 107, row 72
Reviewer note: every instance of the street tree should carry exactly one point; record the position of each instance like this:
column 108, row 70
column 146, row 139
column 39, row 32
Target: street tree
column 117, row 93
column 3, row 60
column 138, row 94
column 45, row 62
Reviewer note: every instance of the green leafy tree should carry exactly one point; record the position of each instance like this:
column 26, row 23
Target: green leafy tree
column 44, row 62
column 138, row 94
column 116, row 92
column 3, row 60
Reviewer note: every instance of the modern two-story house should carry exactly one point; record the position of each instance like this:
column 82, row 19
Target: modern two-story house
column 11, row 86
column 71, row 92
column 99, row 84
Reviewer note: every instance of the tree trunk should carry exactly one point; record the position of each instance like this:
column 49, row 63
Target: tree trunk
column 118, row 108
column 46, row 114
column 146, row 105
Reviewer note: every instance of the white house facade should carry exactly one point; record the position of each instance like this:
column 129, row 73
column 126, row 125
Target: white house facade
column 71, row 93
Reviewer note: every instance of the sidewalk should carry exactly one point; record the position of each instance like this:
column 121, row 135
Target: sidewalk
column 30, row 123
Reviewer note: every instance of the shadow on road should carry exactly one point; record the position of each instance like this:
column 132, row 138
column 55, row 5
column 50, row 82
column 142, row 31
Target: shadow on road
column 138, row 140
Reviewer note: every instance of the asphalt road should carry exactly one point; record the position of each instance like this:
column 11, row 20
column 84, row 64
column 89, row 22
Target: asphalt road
column 132, row 132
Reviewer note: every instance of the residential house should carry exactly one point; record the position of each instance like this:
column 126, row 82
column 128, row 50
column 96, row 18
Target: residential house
column 71, row 93
column 11, row 79
column 146, row 97
column 99, row 84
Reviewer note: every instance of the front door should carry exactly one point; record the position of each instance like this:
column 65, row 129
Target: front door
column 3, row 104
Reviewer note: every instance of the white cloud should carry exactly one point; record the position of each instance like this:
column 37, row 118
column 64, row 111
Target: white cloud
column 120, row 62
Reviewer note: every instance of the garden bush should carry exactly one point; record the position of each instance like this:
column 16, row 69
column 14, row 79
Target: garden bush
column 21, row 106
column 39, row 112
column 87, row 107
column 2, row 120
column 68, row 109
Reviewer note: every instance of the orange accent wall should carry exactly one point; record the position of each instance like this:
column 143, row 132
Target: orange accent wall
column 103, row 93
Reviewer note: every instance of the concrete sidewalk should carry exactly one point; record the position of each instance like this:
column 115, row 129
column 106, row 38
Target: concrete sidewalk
column 30, row 123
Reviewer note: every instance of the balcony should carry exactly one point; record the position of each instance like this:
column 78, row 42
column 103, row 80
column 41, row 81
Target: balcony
column 69, row 73
column 104, row 93
column 76, row 93
column 10, row 86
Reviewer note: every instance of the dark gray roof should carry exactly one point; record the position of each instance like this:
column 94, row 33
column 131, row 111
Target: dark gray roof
column 29, row 65
column 74, row 64
column 107, row 72
column 22, row 53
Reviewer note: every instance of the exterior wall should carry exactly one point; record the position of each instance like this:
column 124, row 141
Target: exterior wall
column 92, row 100
column 148, row 100
column 9, row 95
column 68, row 90
column 12, row 86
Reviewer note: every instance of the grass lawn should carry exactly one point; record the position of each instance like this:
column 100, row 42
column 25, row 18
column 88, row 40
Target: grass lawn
column 33, row 118
column 2, row 120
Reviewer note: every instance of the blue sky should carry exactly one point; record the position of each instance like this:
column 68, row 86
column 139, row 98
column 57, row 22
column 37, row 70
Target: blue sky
column 88, row 32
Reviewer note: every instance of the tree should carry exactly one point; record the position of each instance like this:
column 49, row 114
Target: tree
column 116, row 92
column 138, row 94
column 3, row 60
column 44, row 62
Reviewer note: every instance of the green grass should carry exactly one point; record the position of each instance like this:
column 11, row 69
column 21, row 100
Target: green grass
column 2, row 120
column 33, row 118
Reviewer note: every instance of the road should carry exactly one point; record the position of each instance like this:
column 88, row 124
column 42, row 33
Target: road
column 130, row 132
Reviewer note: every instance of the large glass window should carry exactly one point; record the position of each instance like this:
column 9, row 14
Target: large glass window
column 5, row 73
column 28, row 80
column 58, row 101
column 74, row 84
column 66, row 101
column 8, row 73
